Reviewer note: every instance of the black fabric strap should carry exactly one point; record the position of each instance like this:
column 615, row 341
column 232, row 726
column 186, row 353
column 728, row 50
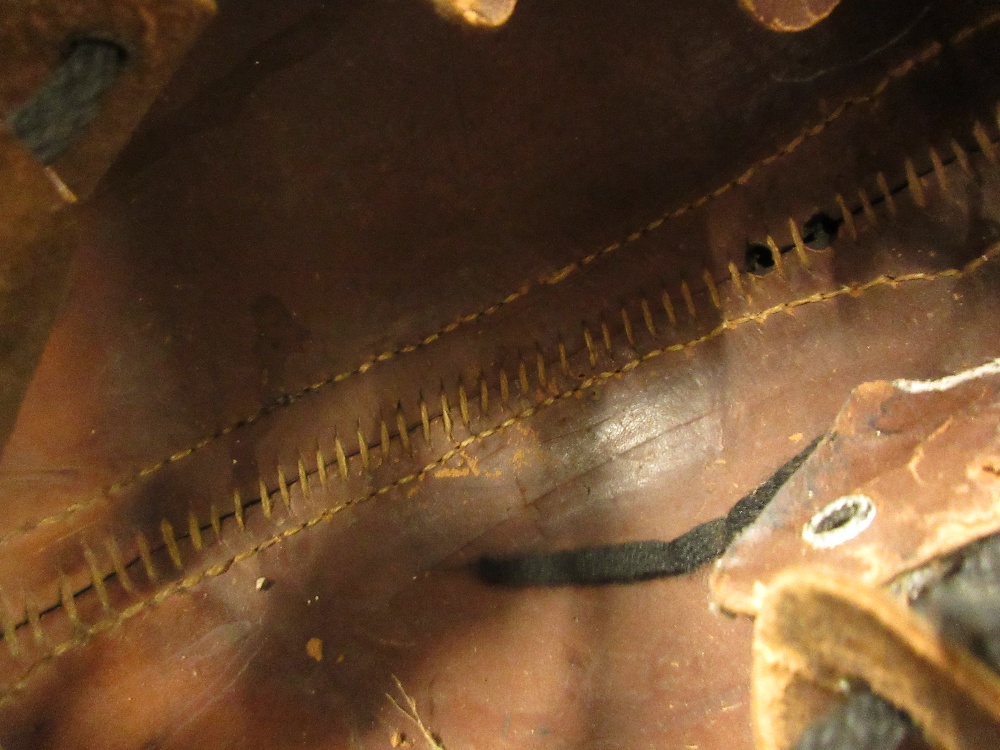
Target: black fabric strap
column 864, row 721
column 640, row 561
column 965, row 606
column 58, row 113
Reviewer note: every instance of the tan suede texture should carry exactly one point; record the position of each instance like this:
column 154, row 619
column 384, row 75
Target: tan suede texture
column 816, row 628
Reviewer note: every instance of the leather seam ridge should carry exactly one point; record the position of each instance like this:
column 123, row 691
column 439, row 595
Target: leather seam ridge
column 916, row 190
column 913, row 184
column 900, row 71
column 86, row 633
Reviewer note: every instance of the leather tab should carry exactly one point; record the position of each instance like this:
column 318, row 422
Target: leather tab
column 920, row 456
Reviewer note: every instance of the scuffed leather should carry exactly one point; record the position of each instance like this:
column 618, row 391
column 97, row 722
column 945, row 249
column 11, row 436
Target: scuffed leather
column 922, row 454
column 816, row 629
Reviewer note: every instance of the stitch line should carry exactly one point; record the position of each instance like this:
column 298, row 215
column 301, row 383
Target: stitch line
column 937, row 168
column 899, row 72
column 84, row 634
column 194, row 533
column 984, row 145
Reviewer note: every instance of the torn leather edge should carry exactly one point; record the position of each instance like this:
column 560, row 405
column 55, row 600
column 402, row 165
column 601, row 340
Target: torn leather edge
column 845, row 469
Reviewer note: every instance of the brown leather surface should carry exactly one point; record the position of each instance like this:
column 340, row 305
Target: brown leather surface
column 37, row 240
column 346, row 215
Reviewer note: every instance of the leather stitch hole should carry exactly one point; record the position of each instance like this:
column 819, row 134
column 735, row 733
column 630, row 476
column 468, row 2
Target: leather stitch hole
column 758, row 258
column 819, row 232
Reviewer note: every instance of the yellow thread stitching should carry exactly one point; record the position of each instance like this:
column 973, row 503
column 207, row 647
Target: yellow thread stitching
column 897, row 73
column 303, row 480
column 96, row 577
column 363, row 447
column 321, row 467
column 595, row 381
column 34, row 619
column 383, row 436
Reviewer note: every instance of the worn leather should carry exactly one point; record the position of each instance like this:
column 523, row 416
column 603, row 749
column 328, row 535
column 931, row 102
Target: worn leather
column 37, row 237
column 344, row 215
column 885, row 508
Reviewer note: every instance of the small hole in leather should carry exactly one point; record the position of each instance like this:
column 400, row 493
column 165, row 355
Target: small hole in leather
column 759, row 258
column 820, row 231
column 836, row 520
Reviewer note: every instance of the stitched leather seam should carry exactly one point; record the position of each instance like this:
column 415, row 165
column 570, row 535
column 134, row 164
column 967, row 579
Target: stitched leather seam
column 85, row 633
column 913, row 184
column 929, row 53
column 194, row 535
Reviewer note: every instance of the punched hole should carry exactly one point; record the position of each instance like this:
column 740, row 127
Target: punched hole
column 839, row 522
column 759, row 258
column 820, row 231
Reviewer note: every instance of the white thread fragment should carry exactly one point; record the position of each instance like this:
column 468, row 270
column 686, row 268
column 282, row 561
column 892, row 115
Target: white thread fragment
column 948, row 382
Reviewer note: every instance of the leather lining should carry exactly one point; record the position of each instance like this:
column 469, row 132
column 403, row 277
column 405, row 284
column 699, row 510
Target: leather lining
column 311, row 192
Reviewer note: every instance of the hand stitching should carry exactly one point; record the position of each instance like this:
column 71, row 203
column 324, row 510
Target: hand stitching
column 84, row 635
column 929, row 53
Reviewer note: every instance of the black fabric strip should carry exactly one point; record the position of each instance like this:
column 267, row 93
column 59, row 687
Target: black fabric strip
column 965, row 606
column 863, row 722
column 58, row 113
column 640, row 561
